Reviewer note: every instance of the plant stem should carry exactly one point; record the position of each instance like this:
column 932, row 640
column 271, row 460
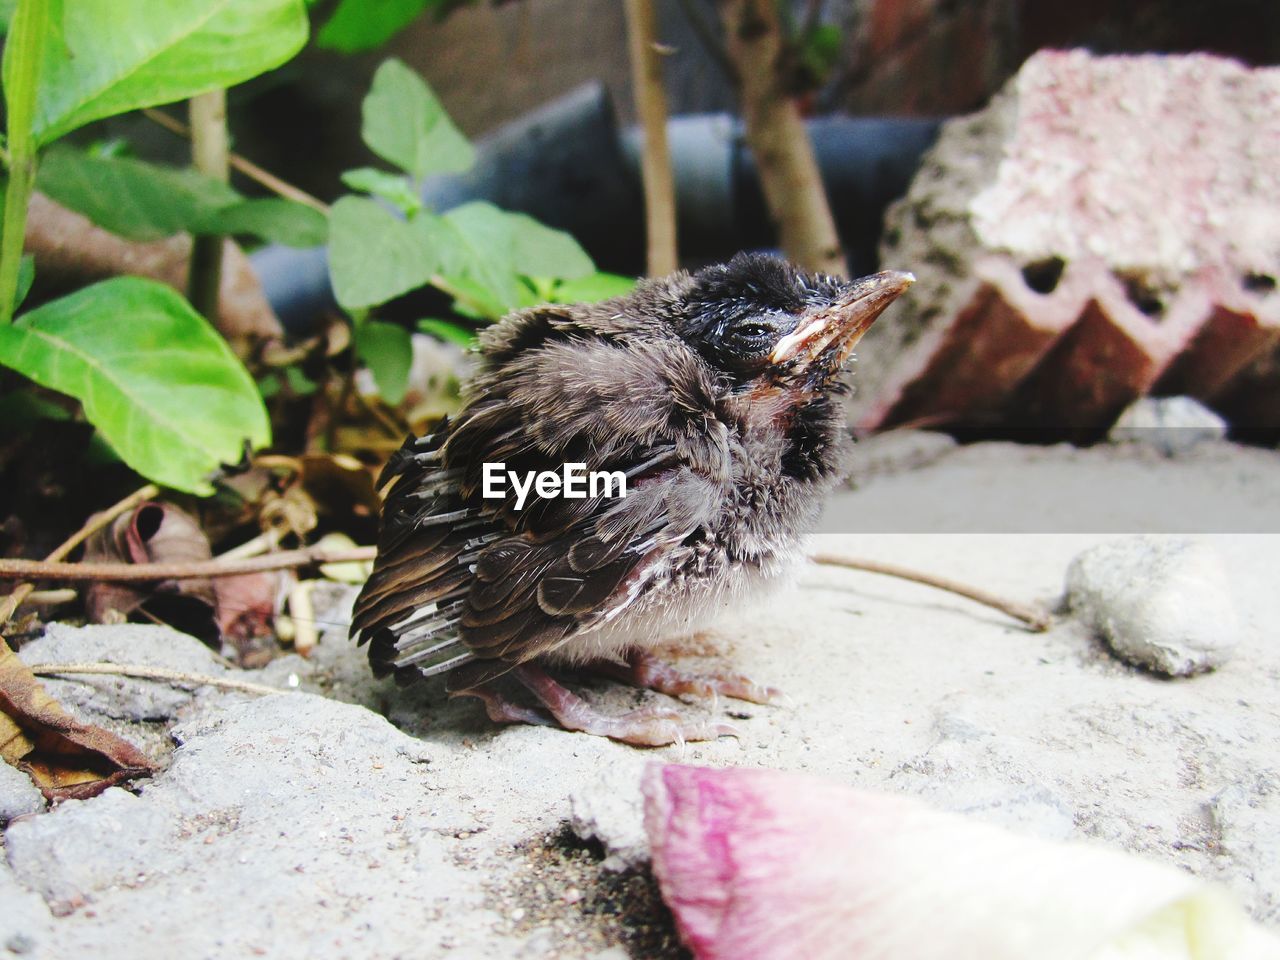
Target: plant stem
column 784, row 156
column 24, row 51
column 132, row 572
column 1036, row 618
column 9, row 605
column 143, row 672
column 209, row 148
column 241, row 164
column 651, row 104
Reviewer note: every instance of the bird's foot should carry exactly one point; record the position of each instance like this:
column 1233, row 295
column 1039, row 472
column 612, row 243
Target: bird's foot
column 645, row 670
column 646, row 727
column 502, row 710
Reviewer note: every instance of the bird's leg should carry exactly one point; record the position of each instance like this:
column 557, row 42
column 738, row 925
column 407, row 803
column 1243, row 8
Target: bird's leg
column 643, row 669
column 648, row 727
column 502, row 710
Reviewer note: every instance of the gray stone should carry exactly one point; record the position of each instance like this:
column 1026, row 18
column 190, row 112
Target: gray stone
column 123, row 698
column 1160, row 603
column 25, row 921
column 18, row 795
column 1171, row 425
column 610, row 809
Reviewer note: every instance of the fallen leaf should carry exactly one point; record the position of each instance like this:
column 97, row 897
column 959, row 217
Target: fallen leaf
column 340, row 484
column 154, row 533
column 247, row 605
column 353, row 571
column 67, row 759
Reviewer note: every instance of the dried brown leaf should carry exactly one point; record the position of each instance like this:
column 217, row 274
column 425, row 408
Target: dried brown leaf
column 246, row 612
column 67, row 759
column 340, row 484
column 153, row 533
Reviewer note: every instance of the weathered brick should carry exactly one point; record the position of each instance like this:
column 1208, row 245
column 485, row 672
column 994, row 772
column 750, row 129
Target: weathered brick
column 1105, row 228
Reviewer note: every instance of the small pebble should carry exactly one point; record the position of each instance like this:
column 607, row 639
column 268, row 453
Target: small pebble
column 1160, row 603
column 1171, row 425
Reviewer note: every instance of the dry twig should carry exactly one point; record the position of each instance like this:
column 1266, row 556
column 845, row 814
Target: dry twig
column 270, row 181
column 142, row 672
column 1036, row 618
column 9, row 606
column 285, row 559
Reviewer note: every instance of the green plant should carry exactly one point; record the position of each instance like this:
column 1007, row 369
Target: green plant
column 384, row 243
column 156, row 380
column 151, row 374
column 356, row 26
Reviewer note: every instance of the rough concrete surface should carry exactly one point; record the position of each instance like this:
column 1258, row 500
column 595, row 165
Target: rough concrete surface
column 307, row 825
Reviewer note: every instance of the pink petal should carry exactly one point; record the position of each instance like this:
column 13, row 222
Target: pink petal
column 761, row 864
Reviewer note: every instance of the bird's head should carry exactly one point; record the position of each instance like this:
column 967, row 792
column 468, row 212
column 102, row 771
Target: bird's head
column 764, row 325
column 753, row 345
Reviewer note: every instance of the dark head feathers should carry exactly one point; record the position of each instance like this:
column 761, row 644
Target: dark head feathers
column 689, row 307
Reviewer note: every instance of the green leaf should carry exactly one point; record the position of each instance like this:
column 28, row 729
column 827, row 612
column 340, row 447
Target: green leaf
column 485, row 250
column 153, row 376
column 144, row 201
column 26, row 277
column 519, row 243
column 448, row 331
column 111, row 56
column 392, row 187
column 592, row 289
column 405, row 125
column 360, row 25
column 6, row 14
column 131, row 198
column 274, row 219
column 387, row 351
column 374, row 255
column 472, row 299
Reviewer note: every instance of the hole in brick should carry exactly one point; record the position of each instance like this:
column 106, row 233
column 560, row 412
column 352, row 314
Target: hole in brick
column 1142, row 294
column 1258, row 282
column 1043, row 276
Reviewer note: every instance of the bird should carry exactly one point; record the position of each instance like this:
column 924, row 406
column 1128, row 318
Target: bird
column 716, row 394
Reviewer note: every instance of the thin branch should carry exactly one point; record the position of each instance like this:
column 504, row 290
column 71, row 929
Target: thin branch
column 651, row 105
column 780, row 145
column 52, row 598
column 1036, row 618
column 209, row 149
column 339, row 408
column 384, row 419
column 709, row 39
column 100, row 520
column 152, row 673
column 9, row 606
column 240, row 164
column 262, row 543
column 120, row 572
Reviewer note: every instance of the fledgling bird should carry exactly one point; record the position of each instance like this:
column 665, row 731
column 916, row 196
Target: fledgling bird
column 715, row 393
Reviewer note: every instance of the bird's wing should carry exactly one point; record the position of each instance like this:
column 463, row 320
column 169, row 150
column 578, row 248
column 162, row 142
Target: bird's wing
column 461, row 579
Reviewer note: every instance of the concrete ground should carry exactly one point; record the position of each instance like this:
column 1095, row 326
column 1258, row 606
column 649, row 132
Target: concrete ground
column 349, row 818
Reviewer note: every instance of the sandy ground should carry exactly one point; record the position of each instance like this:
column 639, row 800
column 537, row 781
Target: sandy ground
column 305, row 825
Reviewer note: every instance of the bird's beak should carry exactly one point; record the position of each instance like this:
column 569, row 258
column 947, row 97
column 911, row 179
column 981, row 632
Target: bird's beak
column 828, row 333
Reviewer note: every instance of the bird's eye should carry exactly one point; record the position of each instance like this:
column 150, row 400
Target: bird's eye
column 751, row 331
